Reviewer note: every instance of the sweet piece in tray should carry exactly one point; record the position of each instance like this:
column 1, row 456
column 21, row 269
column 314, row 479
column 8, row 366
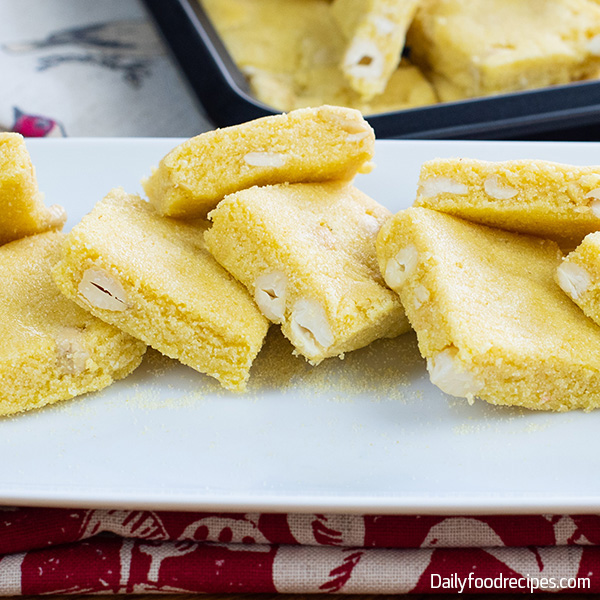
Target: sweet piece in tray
column 278, row 36
column 446, row 90
column 495, row 46
column 561, row 202
column 311, row 144
column 51, row 349
column 490, row 319
column 307, row 254
column 153, row 278
column 406, row 88
column 291, row 52
column 376, row 31
column 579, row 276
column 22, row 210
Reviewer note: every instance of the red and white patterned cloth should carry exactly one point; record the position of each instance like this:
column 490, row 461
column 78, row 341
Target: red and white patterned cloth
column 61, row 551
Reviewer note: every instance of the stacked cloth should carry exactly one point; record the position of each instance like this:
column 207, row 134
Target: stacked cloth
column 83, row 551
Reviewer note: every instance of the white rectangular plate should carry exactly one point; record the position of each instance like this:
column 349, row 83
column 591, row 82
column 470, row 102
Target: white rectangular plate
column 368, row 434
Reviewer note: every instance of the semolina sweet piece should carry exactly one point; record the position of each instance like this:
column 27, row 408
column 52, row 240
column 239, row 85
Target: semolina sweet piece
column 51, row 349
column 290, row 53
column 22, row 210
column 307, row 254
column 376, row 31
column 489, row 317
column 310, row 144
column 153, row 278
column 280, row 37
column 496, row 46
column 561, row 202
column 406, row 88
column 579, row 276
column 446, row 90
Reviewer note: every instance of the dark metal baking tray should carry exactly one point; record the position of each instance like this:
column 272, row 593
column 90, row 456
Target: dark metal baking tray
column 561, row 112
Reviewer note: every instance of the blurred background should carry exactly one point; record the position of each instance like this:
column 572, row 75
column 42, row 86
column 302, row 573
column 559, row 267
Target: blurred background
column 484, row 69
column 90, row 68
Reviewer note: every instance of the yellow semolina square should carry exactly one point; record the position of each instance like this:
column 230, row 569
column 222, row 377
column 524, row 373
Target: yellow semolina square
column 489, row 317
column 305, row 145
column 376, row 32
column 307, row 254
column 153, row 278
column 579, row 276
column 282, row 37
column 273, row 34
column 51, row 349
column 446, row 90
column 561, row 202
column 406, row 88
column 290, row 53
column 22, row 210
column 495, row 46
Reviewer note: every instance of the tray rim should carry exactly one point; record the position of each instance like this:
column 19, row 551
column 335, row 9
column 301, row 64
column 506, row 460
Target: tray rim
column 185, row 26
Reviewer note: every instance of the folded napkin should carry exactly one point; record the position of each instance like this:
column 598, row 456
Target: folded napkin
column 63, row 551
